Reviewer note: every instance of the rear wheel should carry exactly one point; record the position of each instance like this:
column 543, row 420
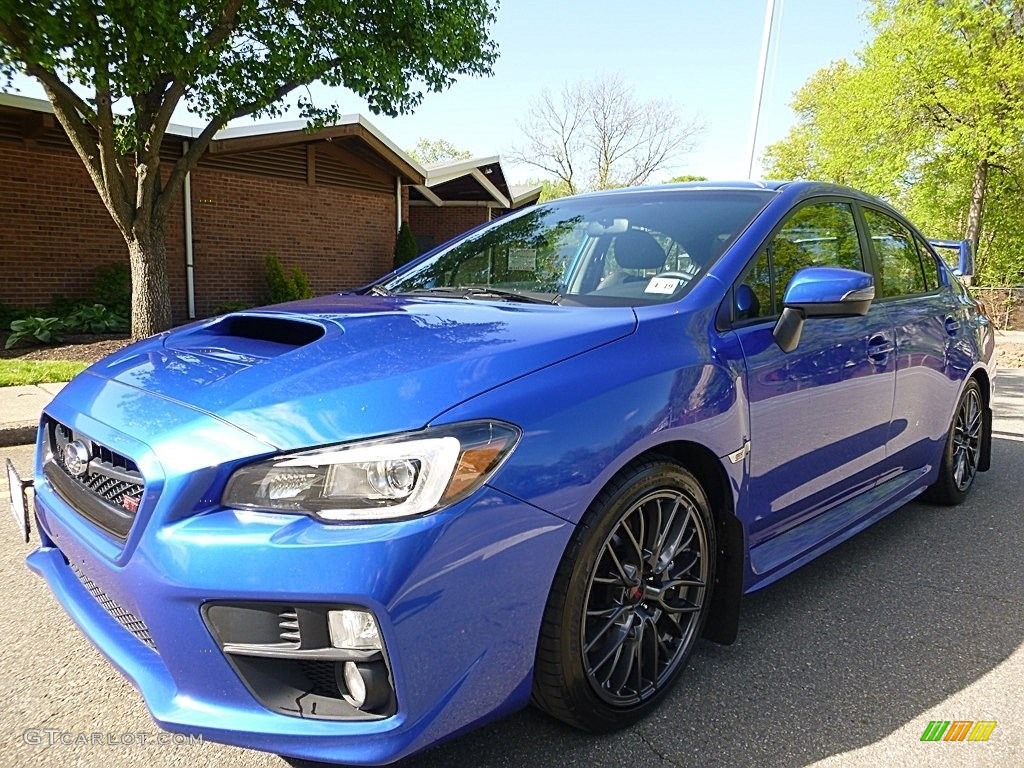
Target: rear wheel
column 629, row 601
column 960, row 458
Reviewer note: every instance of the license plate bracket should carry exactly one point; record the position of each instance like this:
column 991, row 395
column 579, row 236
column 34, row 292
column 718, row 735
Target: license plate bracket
column 16, row 488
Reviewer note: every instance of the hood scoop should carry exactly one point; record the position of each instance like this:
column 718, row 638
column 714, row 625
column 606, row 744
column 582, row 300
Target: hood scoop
column 247, row 338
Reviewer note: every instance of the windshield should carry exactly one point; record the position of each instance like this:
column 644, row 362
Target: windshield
column 628, row 249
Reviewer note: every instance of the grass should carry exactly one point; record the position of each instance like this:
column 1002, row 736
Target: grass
column 20, row 372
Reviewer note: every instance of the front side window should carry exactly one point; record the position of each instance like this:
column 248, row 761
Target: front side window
column 817, row 235
column 900, row 272
column 627, row 249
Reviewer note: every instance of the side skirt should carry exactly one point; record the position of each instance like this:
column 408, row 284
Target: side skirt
column 787, row 552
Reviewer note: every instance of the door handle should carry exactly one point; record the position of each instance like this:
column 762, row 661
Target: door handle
column 879, row 348
column 952, row 325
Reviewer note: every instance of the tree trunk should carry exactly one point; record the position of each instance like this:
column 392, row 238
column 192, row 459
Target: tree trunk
column 975, row 212
column 151, row 298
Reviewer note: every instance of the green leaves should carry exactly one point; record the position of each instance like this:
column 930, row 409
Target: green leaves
column 94, row 318
column 938, row 91
column 137, row 62
column 431, row 151
column 45, row 330
column 282, row 287
column 405, row 246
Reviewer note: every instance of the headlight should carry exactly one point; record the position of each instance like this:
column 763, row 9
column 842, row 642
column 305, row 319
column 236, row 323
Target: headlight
column 381, row 479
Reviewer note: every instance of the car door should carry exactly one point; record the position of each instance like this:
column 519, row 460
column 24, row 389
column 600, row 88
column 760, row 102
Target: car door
column 928, row 324
column 819, row 416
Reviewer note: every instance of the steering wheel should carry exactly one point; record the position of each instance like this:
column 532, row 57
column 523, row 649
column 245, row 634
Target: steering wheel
column 672, row 274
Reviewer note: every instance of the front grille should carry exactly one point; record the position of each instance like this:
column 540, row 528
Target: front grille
column 124, row 617
column 108, row 490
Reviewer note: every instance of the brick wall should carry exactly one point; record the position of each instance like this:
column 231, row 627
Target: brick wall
column 340, row 236
column 55, row 231
column 432, row 225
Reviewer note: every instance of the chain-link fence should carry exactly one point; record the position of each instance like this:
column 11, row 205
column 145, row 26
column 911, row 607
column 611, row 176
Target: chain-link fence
column 1005, row 306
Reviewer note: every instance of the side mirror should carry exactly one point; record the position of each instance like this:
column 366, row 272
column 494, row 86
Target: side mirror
column 821, row 292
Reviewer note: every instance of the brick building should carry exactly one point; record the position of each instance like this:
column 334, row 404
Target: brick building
column 330, row 201
column 460, row 195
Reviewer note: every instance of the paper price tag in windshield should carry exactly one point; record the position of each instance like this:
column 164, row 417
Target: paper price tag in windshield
column 662, row 285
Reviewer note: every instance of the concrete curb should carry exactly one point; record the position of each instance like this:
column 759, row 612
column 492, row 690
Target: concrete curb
column 17, row 434
column 20, row 408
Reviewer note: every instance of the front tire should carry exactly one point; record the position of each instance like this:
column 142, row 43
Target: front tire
column 962, row 453
column 629, row 600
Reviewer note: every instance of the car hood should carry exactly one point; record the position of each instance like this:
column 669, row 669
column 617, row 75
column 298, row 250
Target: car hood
column 345, row 367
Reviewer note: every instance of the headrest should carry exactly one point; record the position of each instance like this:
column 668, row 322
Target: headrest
column 638, row 250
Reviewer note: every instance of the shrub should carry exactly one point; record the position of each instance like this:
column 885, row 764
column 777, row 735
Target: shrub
column 232, row 306
column 8, row 314
column 46, row 330
column 96, row 318
column 301, row 283
column 405, row 246
column 59, row 306
column 112, row 287
column 283, row 287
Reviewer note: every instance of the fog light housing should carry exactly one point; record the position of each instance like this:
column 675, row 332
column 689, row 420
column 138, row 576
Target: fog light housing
column 312, row 660
column 355, row 630
column 364, row 686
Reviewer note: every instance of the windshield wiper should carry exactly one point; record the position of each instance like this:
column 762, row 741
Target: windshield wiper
column 504, row 293
column 488, row 292
column 377, row 290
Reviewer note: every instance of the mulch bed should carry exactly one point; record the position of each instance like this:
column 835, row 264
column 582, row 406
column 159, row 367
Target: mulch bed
column 86, row 348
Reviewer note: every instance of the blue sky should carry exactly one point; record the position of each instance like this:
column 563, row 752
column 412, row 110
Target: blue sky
column 702, row 54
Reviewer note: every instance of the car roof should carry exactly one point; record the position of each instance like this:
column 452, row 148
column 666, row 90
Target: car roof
column 794, row 189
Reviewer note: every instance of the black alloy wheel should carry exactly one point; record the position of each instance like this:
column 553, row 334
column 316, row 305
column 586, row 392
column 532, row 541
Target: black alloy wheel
column 961, row 454
column 630, row 599
column 645, row 597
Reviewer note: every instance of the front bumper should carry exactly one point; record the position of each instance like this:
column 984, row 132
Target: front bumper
column 458, row 595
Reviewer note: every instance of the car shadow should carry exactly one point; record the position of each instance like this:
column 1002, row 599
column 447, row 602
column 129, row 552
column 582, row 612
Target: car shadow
column 840, row 654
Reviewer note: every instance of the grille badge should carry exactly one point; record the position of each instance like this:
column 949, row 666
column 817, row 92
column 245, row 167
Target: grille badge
column 76, row 457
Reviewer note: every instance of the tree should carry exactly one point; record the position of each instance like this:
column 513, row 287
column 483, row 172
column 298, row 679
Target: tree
column 930, row 115
column 597, row 135
column 115, row 72
column 406, row 248
column 433, row 151
column 686, row 177
column 549, row 190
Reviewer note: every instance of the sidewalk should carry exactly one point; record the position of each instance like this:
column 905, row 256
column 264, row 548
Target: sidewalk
column 20, row 408
column 1014, row 337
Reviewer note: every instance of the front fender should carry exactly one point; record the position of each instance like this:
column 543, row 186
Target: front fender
column 585, row 418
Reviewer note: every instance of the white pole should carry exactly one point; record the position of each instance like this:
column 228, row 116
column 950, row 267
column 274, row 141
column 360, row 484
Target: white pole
column 190, row 265
column 762, row 67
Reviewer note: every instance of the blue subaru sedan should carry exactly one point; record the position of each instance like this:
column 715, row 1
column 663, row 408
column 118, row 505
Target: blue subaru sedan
column 535, row 465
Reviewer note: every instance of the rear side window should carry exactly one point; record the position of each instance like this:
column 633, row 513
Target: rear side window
column 900, row 271
column 930, row 262
column 818, row 235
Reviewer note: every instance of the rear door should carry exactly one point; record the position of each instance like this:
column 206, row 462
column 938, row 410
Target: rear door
column 928, row 324
column 819, row 416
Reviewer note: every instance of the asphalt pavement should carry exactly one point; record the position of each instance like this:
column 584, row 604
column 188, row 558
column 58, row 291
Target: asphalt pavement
column 844, row 663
